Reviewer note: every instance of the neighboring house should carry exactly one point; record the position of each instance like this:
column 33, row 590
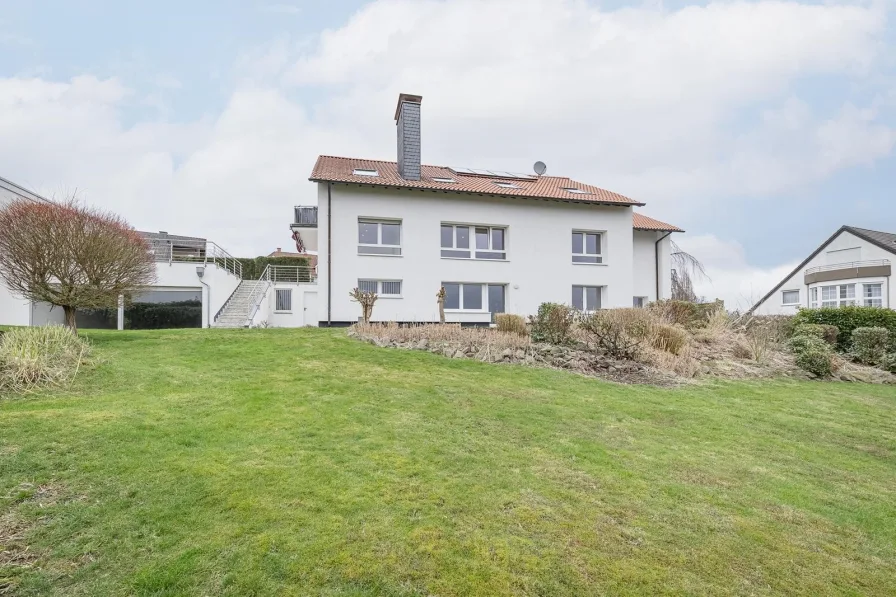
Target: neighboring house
column 497, row 241
column 852, row 267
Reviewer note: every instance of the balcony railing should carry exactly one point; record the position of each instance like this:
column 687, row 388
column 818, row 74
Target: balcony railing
column 204, row 252
column 848, row 265
column 305, row 216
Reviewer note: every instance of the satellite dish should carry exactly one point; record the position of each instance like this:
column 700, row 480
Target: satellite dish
column 540, row 168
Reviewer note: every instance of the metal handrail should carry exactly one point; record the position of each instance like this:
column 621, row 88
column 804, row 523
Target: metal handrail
column 847, row 265
column 204, row 252
column 257, row 293
column 293, row 274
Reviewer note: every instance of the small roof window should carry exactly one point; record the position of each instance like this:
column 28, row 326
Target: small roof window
column 442, row 179
column 365, row 172
column 576, row 191
column 507, row 185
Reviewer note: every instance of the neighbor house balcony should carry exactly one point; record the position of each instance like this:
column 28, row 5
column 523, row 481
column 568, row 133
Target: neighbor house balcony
column 304, row 226
column 847, row 271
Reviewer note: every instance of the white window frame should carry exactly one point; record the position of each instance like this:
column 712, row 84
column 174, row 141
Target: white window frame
column 873, row 301
column 600, row 255
column 380, row 285
column 472, row 249
column 839, row 300
column 813, row 297
column 379, row 235
column 277, row 301
column 791, row 304
column 483, row 297
column 584, row 290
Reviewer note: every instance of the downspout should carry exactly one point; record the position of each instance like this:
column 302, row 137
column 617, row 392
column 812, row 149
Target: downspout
column 656, row 253
column 329, row 255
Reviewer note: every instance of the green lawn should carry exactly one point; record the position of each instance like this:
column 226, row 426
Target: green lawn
column 300, row 462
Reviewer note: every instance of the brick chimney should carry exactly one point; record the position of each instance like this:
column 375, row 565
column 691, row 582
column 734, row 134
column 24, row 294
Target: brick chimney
column 407, row 119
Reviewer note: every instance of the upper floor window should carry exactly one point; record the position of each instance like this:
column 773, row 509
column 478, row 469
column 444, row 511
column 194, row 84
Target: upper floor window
column 488, row 242
column 586, row 247
column 872, row 295
column 379, row 237
column 790, row 297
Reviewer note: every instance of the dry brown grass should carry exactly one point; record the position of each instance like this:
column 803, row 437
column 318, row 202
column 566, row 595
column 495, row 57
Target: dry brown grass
column 514, row 324
column 449, row 333
column 39, row 357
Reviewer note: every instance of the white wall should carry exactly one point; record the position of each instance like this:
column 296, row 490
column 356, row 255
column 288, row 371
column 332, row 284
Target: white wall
column 538, row 241
column 644, row 264
column 845, row 244
column 303, row 312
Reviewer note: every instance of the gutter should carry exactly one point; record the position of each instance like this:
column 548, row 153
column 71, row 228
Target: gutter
column 329, row 254
column 656, row 253
column 208, row 303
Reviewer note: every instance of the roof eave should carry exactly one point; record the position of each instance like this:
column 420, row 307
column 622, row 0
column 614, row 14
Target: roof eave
column 413, row 188
column 658, row 229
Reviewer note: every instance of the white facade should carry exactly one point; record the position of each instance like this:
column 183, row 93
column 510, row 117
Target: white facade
column 538, row 266
column 846, row 270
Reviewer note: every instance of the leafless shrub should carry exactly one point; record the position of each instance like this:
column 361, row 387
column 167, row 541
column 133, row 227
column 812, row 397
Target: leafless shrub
column 760, row 339
column 366, row 300
column 515, row 324
column 741, row 351
column 71, row 255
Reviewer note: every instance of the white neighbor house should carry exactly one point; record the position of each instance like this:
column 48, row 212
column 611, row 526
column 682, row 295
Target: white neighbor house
column 178, row 263
column 497, row 241
column 852, row 267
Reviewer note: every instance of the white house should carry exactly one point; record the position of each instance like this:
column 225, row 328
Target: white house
column 852, row 267
column 496, row 241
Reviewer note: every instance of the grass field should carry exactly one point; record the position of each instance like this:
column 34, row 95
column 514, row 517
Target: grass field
column 300, row 462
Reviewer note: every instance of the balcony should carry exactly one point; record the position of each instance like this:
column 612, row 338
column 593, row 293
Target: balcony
column 304, row 226
column 846, row 271
column 305, row 217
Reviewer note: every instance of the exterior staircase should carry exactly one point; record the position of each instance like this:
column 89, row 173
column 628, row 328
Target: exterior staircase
column 235, row 313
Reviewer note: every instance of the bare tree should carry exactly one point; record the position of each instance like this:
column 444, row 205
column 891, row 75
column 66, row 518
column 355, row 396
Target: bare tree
column 367, row 300
column 685, row 269
column 71, row 255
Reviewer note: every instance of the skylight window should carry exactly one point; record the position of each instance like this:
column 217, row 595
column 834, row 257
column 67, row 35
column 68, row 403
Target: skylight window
column 507, row 185
column 576, row 191
column 364, row 172
column 441, row 179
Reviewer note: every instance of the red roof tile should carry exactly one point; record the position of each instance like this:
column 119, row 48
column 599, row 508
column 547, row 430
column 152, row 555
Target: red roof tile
column 642, row 222
column 336, row 169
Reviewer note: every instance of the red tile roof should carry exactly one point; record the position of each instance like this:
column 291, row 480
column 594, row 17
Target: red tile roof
column 642, row 222
column 336, row 169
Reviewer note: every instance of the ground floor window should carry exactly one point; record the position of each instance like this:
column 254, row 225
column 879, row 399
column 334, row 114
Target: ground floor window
column 283, row 299
column 466, row 296
column 382, row 288
column 790, row 297
column 840, row 295
column 872, row 295
column 586, row 298
column 639, row 301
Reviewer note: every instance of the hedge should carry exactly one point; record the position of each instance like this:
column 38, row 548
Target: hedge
column 849, row 318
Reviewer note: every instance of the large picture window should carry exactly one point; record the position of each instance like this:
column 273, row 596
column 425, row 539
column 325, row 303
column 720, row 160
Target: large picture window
column 379, row 237
column 463, row 296
column 840, row 295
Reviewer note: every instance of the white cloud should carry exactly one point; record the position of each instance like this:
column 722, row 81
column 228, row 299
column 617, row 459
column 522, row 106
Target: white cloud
column 645, row 101
column 730, row 276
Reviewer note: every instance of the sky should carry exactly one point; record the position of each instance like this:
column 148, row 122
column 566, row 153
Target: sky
column 758, row 127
